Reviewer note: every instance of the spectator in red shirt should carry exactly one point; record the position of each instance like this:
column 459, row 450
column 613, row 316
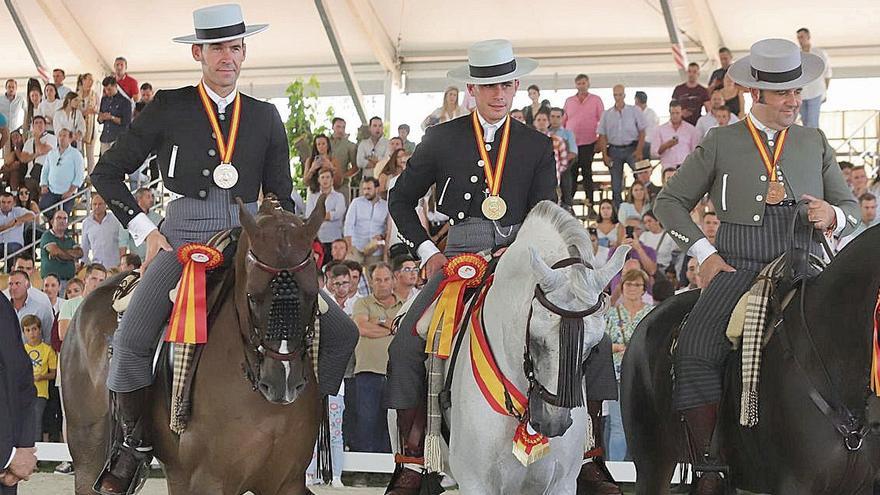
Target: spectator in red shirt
column 582, row 114
column 692, row 95
column 127, row 84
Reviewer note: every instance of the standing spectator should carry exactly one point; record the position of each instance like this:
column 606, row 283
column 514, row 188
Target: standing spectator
column 621, row 138
column 129, row 262
column 711, row 119
column 25, row 263
column 321, row 158
column 58, row 251
column 814, row 93
column 637, row 203
column 582, row 114
column 35, row 151
column 541, row 123
column 406, row 276
column 12, row 172
column 58, row 76
column 365, row 224
column 23, row 199
column 651, row 118
column 403, row 134
column 12, row 106
column 95, row 274
column 115, row 113
column 74, row 288
column 733, row 98
column 565, row 181
column 331, row 228
column 338, row 250
column 372, row 149
column 25, row 305
column 85, row 88
column 338, row 285
column 846, row 169
column 716, row 80
column 517, row 114
column 373, row 315
column 609, row 230
column 621, row 323
column 692, row 96
column 345, row 153
column 710, row 225
column 659, row 240
column 858, row 178
column 70, row 116
column 52, row 289
column 17, row 389
column 35, row 97
column 63, row 174
column 12, row 221
column 530, row 111
column 127, row 84
column 394, row 166
column 100, row 234
column 642, row 175
column 50, row 104
column 868, row 206
column 44, row 362
column 145, row 200
column 673, row 141
column 146, row 93
column 394, row 144
column 449, row 110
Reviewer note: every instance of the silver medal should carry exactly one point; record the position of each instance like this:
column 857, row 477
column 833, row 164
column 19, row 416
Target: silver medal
column 225, row 176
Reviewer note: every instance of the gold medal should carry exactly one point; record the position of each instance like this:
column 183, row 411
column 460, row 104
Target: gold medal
column 494, row 207
column 775, row 193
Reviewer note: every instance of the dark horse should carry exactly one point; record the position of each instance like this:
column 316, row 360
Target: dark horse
column 235, row 441
column 795, row 448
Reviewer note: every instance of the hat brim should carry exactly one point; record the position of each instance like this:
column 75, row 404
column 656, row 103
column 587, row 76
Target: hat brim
column 813, row 67
column 463, row 73
column 643, row 168
column 193, row 39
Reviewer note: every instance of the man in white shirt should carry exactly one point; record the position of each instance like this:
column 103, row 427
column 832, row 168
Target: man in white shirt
column 868, row 205
column 813, row 94
column 36, row 148
column 337, row 287
column 25, row 305
column 24, row 263
column 100, row 234
column 713, row 119
column 12, row 105
column 58, row 76
column 12, row 220
column 372, row 149
column 365, row 224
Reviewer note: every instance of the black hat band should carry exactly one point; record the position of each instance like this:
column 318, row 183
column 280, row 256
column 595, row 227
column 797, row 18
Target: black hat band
column 220, row 32
column 777, row 77
column 485, row 72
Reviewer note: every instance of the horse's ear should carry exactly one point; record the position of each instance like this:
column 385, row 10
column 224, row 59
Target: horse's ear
column 548, row 278
column 245, row 218
column 317, row 217
column 606, row 272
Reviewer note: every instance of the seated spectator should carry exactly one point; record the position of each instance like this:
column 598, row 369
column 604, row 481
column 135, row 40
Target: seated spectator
column 541, row 122
column 715, row 118
column 406, row 276
column 394, row 166
column 874, row 188
column 100, row 234
column 74, row 289
column 710, row 226
column 637, row 202
column 70, row 116
column 373, row 315
column 145, row 200
column 858, row 178
column 846, row 169
column 331, row 228
column 609, row 229
column 23, row 200
column 600, row 253
column 337, row 285
column 403, row 134
column 394, row 144
column 693, row 276
column 25, row 305
column 129, row 262
column 659, row 240
column 868, row 205
column 35, row 151
column 621, row 322
column 365, row 224
column 338, row 250
column 673, row 141
column 517, row 114
column 321, row 159
column 359, row 286
column 662, row 290
column 25, row 263
column 45, row 362
column 12, row 172
column 95, row 274
column 58, row 251
column 64, row 177
column 446, row 112
column 50, row 104
column 12, row 221
column 645, row 254
column 642, row 175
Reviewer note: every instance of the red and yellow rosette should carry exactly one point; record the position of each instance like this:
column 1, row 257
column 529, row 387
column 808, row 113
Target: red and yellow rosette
column 189, row 318
column 529, row 447
column 461, row 272
column 875, row 351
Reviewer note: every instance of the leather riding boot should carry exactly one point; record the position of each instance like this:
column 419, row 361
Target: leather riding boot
column 411, row 424
column 133, row 450
column 594, row 478
column 700, row 422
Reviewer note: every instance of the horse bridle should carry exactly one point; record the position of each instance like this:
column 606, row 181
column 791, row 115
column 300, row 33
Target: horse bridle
column 574, row 318
column 256, row 339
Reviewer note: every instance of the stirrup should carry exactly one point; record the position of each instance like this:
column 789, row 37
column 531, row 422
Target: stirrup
column 139, row 478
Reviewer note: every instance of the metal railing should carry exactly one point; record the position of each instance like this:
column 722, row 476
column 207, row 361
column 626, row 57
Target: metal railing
column 858, row 141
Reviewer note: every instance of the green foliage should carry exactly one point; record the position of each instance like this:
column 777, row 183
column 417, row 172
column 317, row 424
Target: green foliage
column 304, row 122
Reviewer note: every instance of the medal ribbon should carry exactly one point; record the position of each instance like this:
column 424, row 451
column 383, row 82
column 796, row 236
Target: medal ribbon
column 226, row 147
column 493, row 171
column 764, row 152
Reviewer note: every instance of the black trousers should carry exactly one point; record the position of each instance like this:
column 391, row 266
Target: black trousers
column 582, row 166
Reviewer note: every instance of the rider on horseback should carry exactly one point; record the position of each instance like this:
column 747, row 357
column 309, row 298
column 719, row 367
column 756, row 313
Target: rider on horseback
column 459, row 157
column 741, row 168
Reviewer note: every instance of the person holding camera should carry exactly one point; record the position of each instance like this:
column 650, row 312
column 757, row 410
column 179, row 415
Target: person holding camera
column 321, row 158
column 673, row 141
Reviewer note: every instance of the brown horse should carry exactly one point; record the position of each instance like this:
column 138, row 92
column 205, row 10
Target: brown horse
column 236, row 441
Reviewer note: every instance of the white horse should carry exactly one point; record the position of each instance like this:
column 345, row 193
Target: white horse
column 480, row 447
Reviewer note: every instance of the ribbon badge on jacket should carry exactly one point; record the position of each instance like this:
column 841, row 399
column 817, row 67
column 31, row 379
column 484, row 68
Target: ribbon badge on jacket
column 189, row 318
column 459, row 273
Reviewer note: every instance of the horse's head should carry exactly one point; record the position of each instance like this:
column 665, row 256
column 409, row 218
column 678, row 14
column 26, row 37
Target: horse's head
column 276, row 267
column 567, row 319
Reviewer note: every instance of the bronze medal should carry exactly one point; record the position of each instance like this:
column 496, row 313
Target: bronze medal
column 494, row 207
column 775, row 193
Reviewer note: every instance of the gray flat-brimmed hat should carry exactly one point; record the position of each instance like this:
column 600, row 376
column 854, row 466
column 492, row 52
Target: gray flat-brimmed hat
column 492, row 62
column 776, row 64
column 219, row 23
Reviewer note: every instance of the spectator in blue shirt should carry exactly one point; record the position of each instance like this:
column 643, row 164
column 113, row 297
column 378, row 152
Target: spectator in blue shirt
column 63, row 174
column 566, row 182
column 115, row 113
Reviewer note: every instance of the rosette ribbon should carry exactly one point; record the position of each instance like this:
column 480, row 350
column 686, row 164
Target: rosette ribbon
column 459, row 273
column 189, row 317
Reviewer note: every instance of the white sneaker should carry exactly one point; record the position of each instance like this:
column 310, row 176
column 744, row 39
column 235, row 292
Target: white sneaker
column 337, row 482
